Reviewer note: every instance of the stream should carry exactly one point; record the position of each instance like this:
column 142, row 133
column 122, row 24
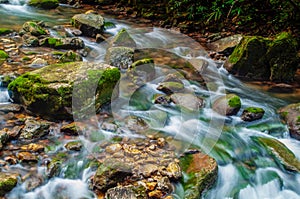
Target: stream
column 246, row 169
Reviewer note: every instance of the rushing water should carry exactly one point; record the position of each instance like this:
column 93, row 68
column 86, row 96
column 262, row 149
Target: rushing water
column 246, row 170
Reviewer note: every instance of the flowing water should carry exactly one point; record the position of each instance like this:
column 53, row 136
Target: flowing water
column 246, row 168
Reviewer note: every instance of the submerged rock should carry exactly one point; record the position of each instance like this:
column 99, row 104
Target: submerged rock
column 7, row 182
column 265, row 59
column 228, row 105
column 291, row 115
column 49, row 91
column 281, row 153
column 252, row 113
column 201, row 173
column 90, row 24
column 187, row 101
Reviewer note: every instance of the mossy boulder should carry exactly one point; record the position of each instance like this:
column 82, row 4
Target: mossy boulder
column 252, row 113
column 70, row 56
column 48, row 91
column 200, row 173
column 44, row 4
column 3, row 55
column 264, row 58
column 4, row 31
column 280, row 152
column 90, row 24
column 228, row 105
column 120, row 57
column 7, row 182
column 123, row 39
column 62, row 43
column 291, row 116
column 34, row 28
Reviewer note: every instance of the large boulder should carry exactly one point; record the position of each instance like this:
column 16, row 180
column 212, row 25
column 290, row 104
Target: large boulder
column 264, row 58
column 201, row 172
column 291, row 115
column 49, row 91
column 90, row 24
column 44, row 4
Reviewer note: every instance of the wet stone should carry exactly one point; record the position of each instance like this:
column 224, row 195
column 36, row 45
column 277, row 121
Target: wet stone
column 74, row 146
column 35, row 129
column 27, row 157
column 33, row 147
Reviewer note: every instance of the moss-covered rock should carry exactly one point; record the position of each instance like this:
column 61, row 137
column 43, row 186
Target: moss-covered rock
column 110, row 173
column 35, row 129
column 123, row 39
column 74, row 145
column 7, row 182
column 90, row 24
column 201, row 173
column 280, row 152
column 62, row 43
column 291, row 115
column 4, row 31
column 264, row 58
column 3, row 55
column 229, row 104
column 49, row 91
column 70, row 56
column 252, row 113
column 34, row 28
column 44, row 4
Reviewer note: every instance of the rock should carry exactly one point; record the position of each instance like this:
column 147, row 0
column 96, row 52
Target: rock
column 14, row 108
column 228, row 105
column 32, row 147
column 123, row 39
column 281, row 88
column 4, row 31
column 44, row 4
column 161, row 99
column 34, row 28
column 73, row 43
column 174, row 171
column 70, row 129
column 3, row 138
column 120, row 57
column 7, row 182
column 35, row 129
column 136, row 124
column 113, row 148
column 14, row 132
column 27, row 157
column 109, row 173
column 252, row 113
column 143, row 69
column 70, row 56
column 89, row 24
column 109, row 127
column 29, row 40
column 49, row 91
column 200, row 173
column 265, row 59
column 280, row 152
column 225, row 44
column 6, row 79
column 54, row 167
column 126, row 192
column 187, row 101
column 100, row 38
column 3, row 55
column 74, row 146
column 291, row 115
column 170, row 87
column 38, row 63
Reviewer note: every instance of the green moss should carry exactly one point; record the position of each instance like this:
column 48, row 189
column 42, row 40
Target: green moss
column 7, row 183
column 280, row 152
column 38, row 28
column 59, row 53
column 44, row 4
column 254, row 110
column 109, row 25
column 142, row 62
column 3, row 55
column 25, row 58
column 298, row 118
column 4, row 31
column 234, row 101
